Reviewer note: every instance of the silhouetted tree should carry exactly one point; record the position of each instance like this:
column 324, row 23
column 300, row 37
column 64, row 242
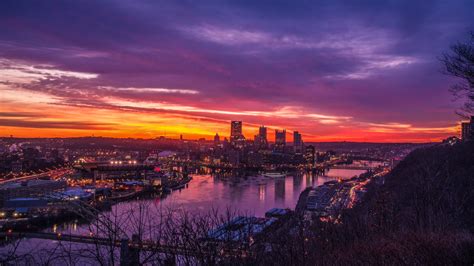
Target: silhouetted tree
column 459, row 62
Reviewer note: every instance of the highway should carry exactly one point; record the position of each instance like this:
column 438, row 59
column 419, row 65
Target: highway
column 54, row 174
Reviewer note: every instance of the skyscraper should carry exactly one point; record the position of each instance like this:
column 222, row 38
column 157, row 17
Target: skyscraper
column 261, row 139
column 217, row 139
column 297, row 142
column 280, row 140
column 237, row 139
column 262, row 133
column 235, row 130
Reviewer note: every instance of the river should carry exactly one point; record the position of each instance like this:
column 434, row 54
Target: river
column 249, row 196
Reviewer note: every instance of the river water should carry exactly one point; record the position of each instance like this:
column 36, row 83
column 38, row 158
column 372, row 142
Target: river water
column 249, row 195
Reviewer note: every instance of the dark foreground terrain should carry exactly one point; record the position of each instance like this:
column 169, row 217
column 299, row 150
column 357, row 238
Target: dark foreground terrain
column 422, row 213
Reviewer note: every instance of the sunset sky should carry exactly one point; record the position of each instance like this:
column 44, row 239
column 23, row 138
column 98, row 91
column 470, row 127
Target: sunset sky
column 333, row 70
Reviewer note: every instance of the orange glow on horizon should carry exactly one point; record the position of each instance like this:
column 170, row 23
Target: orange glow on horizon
column 31, row 115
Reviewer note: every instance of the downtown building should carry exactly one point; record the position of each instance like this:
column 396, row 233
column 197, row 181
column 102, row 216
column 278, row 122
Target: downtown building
column 217, row 139
column 260, row 140
column 280, row 140
column 298, row 145
column 237, row 138
column 467, row 130
column 310, row 156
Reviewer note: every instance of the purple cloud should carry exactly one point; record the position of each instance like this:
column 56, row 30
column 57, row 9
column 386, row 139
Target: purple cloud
column 373, row 61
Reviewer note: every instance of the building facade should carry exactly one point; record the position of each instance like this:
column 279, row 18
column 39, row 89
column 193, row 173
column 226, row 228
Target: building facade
column 280, row 140
column 235, row 129
column 310, row 156
column 467, row 130
column 297, row 142
column 262, row 133
column 261, row 139
column 237, row 138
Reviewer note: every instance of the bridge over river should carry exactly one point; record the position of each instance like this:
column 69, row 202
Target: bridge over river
column 129, row 249
column 54, row 174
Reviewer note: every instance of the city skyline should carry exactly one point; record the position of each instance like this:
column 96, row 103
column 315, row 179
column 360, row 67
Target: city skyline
column 331, row 70
column 223, row 132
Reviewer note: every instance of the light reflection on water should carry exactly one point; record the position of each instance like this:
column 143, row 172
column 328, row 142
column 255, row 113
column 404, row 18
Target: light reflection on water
column 250, row 195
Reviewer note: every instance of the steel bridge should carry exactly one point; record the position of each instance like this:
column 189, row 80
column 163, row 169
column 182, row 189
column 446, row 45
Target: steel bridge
column 129, row 249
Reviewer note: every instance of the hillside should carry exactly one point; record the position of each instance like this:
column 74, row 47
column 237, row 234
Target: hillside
column 423, row 213
column 432, row 189
column 419, row 214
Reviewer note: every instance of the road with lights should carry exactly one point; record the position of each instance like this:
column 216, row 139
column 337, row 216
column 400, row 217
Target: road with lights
column 53, row 174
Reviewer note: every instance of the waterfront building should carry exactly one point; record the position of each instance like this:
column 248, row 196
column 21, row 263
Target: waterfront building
column 26, row 203
column 310, row 156
column 233, row 158
column 254, row 159
column 31, row 188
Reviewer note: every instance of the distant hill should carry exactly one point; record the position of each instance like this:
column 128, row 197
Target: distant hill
column 360, row 146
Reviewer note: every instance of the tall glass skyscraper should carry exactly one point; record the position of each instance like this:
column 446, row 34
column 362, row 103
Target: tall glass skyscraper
column 235, row 130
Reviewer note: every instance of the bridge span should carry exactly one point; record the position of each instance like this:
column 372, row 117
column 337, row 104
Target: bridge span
column 129, row 249
column 52, row 174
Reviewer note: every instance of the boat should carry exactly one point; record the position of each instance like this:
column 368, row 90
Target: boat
column 274, row 174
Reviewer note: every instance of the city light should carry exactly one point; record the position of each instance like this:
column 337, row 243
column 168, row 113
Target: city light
column 236, row 132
